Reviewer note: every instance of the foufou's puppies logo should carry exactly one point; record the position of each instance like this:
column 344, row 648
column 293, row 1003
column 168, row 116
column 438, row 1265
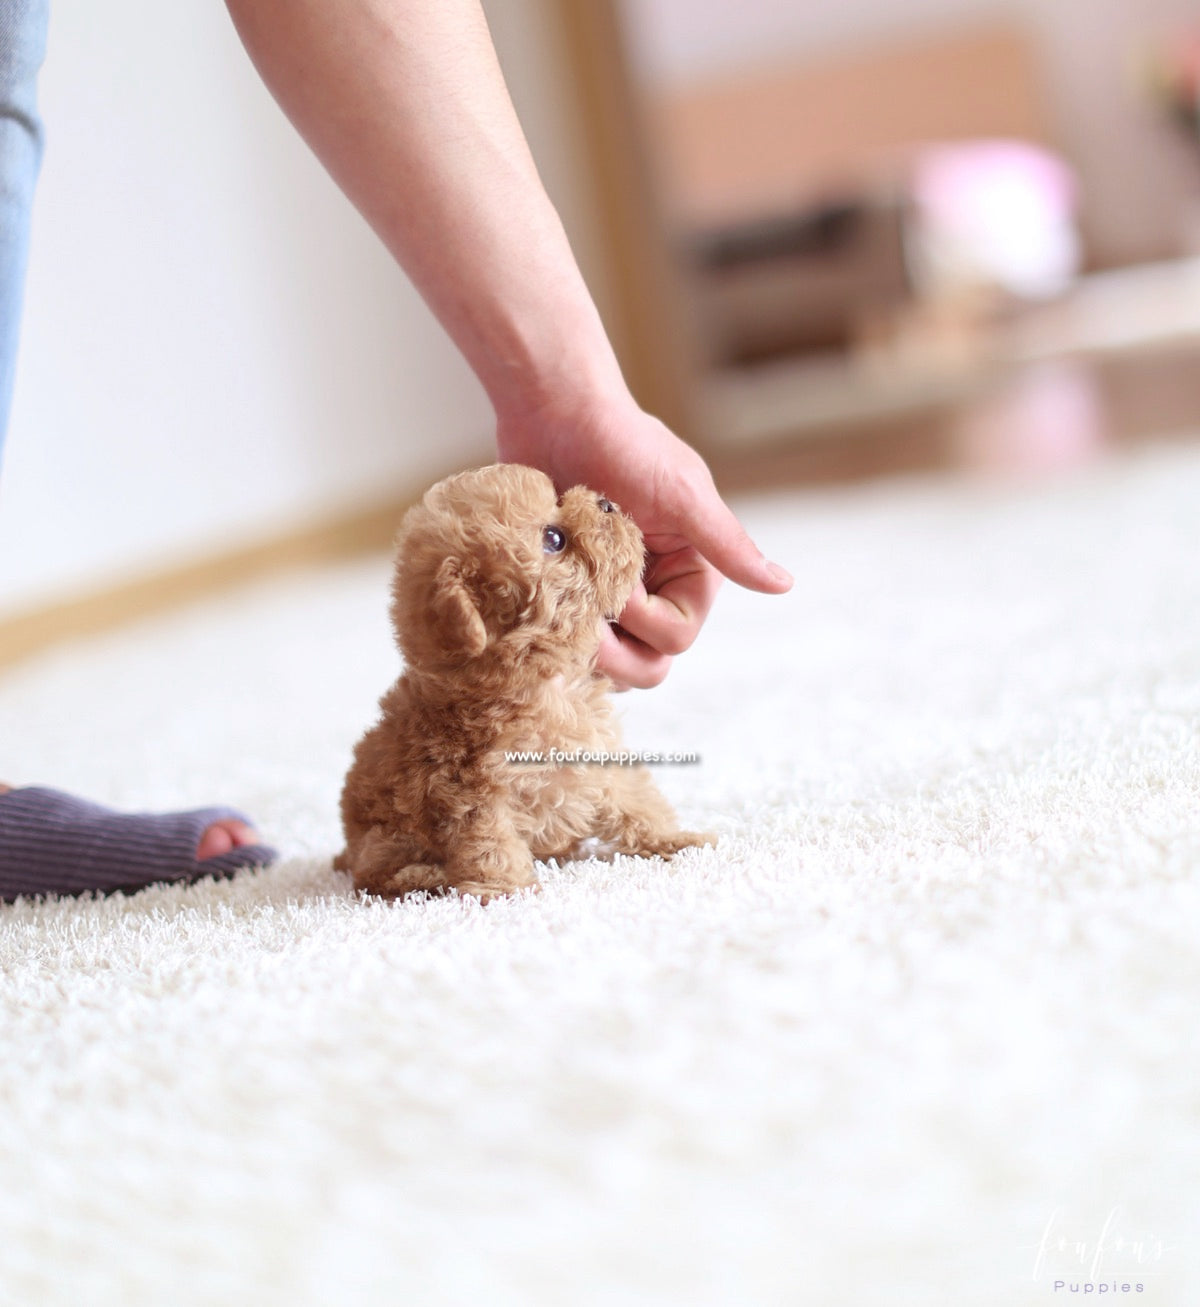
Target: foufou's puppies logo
column 1108, row 1258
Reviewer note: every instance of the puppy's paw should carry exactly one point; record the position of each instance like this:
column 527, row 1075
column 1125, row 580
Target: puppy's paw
column 485, row 891
column 395, row 884
column 665, row 844
column 698, row 839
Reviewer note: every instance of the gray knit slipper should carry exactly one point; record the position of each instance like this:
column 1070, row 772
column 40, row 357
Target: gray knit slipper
column 52, row 843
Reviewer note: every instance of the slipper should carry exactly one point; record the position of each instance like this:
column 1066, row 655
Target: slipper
column 52, row 843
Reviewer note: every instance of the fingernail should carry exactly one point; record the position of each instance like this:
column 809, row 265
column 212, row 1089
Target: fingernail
column 780, row 574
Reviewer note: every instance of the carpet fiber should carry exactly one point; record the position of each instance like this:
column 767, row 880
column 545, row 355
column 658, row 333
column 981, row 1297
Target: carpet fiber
column 920, row 1030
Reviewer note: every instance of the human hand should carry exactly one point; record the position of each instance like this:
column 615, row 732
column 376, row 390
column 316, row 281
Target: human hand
column 692, row 538
column 405, row 104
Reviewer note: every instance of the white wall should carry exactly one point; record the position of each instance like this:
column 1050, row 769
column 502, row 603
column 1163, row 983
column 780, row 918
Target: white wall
column 1138, row 178
column 215, row 346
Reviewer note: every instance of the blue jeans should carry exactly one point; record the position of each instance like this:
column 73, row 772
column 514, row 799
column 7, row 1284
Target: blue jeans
column 22, row 49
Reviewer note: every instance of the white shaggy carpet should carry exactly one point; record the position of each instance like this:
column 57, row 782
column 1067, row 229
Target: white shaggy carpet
column 921, row 1030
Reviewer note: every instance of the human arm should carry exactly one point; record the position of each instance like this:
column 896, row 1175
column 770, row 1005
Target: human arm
column 404, row 103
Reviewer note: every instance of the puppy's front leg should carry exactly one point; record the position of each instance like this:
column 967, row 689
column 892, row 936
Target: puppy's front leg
column 486, row 857
column 389, row 864
column 480, row 855
column 636, row 818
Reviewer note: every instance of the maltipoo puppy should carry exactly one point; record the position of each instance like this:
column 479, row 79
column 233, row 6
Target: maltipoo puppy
column 501, row 592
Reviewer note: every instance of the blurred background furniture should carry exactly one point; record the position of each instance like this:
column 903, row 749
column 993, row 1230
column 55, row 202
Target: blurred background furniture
column 816, row 297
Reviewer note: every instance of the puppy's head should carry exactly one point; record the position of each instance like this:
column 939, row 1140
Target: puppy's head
column 493, row 566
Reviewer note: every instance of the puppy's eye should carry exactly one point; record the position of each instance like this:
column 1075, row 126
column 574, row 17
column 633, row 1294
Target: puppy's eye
column 554, row 540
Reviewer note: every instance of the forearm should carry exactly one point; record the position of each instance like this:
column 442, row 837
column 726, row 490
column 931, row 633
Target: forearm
column 405, row 105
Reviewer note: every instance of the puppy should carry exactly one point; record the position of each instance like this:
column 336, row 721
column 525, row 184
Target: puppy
column 501, row 592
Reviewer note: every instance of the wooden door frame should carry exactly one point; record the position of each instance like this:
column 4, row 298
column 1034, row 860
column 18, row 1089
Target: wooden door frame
column 648, row 322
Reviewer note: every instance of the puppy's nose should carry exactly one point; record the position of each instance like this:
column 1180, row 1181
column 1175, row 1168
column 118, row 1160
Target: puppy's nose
column 606, row 505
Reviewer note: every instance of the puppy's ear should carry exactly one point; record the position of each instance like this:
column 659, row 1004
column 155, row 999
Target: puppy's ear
column 455, row 613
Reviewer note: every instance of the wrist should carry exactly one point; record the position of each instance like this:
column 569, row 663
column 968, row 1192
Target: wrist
column 567, row 367
column 549, row 412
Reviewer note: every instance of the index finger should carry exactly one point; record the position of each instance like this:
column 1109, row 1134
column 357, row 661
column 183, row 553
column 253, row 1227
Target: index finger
column 703, row 518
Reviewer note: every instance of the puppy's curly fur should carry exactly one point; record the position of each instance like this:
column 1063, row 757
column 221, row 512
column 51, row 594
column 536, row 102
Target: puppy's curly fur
column 499, row 600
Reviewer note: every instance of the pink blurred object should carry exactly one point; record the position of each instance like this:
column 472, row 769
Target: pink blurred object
column 993, row 214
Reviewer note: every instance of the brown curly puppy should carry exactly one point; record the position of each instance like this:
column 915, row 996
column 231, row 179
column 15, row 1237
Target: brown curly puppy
column 500, row 596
